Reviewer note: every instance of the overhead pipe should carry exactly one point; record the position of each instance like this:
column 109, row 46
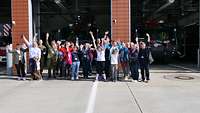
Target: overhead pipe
column 169, row 2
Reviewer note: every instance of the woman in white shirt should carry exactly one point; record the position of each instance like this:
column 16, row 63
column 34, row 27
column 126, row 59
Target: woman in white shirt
column 34, row 58
column 100, row 65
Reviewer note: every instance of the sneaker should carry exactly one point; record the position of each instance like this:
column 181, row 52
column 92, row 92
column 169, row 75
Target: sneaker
column 23, row 78
column 126, row 78
column 72, row 78
column 40, row 80
column 19, row 78
column 135, row 81
column 97, row 77
column 77, row 78
column 104, row 77
column 132, row 80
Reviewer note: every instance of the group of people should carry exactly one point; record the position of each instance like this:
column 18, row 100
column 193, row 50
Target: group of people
column 64, row 59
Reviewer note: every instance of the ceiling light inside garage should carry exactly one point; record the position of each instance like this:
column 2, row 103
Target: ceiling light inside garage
column 161, row 21
column 59, row 3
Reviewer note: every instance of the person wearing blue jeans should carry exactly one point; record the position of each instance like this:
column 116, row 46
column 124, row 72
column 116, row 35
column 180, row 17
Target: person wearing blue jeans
column 123, row 58
column 75, row 63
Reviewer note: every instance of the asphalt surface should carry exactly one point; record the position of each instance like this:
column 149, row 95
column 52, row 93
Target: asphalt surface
column 163, row 94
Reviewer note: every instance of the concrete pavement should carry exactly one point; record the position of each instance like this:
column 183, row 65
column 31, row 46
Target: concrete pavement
column 164, row 94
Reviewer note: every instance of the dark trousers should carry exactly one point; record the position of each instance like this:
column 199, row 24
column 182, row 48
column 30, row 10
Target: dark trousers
column 20, row 67
column 58, row 67
column 51, row 65
column 69, row 70
column 134, row 70
column 90, row 67
column 144, row 67
column 66, row 70
column 41, row 65
column 107, row 69
column 125, row 69
column 86, row 68
column 61, row 68
column 100, row 67
column 33, row 69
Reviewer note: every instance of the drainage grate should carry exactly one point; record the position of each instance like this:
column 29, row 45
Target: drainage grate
column 181, row 76
column 184, row 77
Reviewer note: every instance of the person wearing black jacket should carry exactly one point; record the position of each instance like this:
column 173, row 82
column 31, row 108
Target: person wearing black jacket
column 133, row 61
column 143, row 57
column 86, row 58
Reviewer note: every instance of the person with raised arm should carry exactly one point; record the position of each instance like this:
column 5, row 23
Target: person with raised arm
column 114, row 54
column 51, row 57
column 34, row 58
column 68, row 61
column 43, row 54
column 107, row 55
column 144, row 61
column 75, row 63
column 100, row 66
column 19, row 60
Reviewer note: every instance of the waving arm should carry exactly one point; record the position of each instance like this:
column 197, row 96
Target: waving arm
column 25, row 40
column 91, row 34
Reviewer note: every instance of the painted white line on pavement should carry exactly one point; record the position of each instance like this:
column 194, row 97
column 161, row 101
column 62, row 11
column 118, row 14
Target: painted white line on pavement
column 92, row 98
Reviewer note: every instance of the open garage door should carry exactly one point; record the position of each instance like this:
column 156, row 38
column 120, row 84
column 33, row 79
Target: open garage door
column 67, row 19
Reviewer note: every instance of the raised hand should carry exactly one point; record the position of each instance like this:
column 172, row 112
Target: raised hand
column 147, row 34
column 81, row 46
column 47, row 36
column 35, row 35
column 23, row 36
column 107, row 32
column 91, row 33
column 136, row 39
column 34, row 38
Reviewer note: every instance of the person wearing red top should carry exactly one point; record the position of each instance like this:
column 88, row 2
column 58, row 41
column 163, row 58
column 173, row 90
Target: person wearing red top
column 67, row 60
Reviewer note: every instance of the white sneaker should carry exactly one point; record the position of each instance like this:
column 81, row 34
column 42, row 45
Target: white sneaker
column 72, row 78
column 126, row 78
column 23, row 78
column 97, row 77
column 77, row 78
column 40, row 80
column 104, row 76
column 19, row 78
